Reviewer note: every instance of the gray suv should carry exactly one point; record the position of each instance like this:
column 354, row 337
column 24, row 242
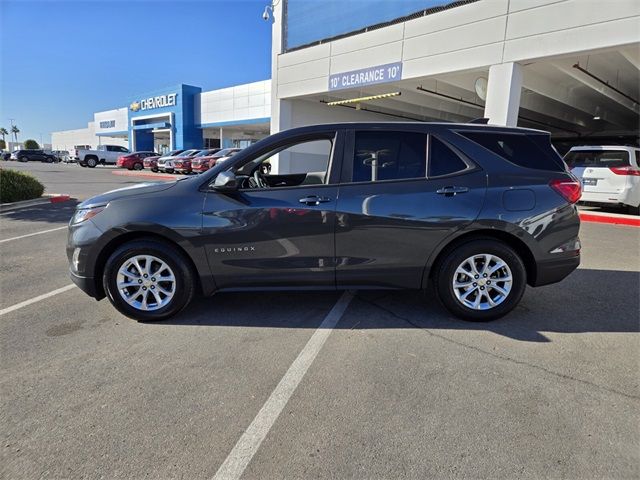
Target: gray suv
column 479, row 212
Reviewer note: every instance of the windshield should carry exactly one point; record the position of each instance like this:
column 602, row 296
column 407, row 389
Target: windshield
column 206, row 153
column 227, row 152
column 597, row 158
column 188, row 153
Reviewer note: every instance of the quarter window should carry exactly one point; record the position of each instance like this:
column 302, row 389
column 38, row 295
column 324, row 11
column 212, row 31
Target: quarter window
column 443, row 160
column 529, row 151
column 381, row 155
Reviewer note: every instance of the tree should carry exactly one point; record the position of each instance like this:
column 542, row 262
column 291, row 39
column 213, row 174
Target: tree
column 31, row 144
column 15, row 130
column 3, row 144
column 3, row 132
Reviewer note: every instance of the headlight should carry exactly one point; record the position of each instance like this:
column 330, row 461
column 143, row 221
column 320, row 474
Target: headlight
column 85, row 214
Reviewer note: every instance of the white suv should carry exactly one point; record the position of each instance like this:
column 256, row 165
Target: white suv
column 610, row 175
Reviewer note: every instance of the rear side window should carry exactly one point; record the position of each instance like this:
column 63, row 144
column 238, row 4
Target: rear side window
column 443, row 160
column 527, row 151
column 597, row 158
column 389, row 156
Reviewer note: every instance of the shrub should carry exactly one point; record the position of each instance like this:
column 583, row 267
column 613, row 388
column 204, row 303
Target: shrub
column 31, row 145
column 16, row 186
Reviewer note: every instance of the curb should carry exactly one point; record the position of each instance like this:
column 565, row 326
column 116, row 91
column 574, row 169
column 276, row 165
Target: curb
column 142, row 174
column 51, row 198
column 595, row 217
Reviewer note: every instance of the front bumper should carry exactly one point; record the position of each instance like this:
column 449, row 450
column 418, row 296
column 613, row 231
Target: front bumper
column 87, row 285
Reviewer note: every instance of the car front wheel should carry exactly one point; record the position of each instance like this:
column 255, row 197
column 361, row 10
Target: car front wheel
column 481, row 280
column 148, row 280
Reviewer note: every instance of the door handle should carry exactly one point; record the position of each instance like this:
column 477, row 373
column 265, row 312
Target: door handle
column 451, row 191
column 314, row 200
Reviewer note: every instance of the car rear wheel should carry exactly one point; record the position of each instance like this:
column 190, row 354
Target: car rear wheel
column 481, row 280
column 137, row 166
column 24, row 159
column 92, row 162
column 154, row 170
column 148, row 280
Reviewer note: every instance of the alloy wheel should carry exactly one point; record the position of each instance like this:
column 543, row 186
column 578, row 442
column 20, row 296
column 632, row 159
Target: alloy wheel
column 146, row 282
column 482, row 281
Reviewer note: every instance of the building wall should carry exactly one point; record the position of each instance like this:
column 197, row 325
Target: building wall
column 68, row 139
column 249, row 102
column 111, row 121
column 471, row 36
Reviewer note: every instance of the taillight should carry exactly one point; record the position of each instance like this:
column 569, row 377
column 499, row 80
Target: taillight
column 626, row 171
column 569, row 189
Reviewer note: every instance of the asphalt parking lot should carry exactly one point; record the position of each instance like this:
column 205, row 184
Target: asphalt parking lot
column 398, row 389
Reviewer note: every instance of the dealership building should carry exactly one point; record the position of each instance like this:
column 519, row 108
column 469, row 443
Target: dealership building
column 571, row 67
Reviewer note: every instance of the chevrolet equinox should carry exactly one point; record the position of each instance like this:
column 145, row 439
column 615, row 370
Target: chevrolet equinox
column 476, row 211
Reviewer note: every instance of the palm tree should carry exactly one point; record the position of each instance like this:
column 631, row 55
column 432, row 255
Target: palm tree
column 15, row 130
column 3, row 132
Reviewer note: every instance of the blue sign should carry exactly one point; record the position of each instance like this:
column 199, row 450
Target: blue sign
column 366, row 76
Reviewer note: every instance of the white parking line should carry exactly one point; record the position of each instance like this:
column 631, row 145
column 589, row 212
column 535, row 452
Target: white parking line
column 237, row 461
column 33, row 300
column 32, row 234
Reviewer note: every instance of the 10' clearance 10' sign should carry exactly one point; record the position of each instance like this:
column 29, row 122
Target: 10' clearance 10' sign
column 366, row 76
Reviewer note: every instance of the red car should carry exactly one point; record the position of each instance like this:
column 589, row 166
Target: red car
column 185, row 164
column 207, row 162
column 134, row 161
column 200, row 163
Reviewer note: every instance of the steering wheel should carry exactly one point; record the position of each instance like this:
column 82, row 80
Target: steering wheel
column 259, row 180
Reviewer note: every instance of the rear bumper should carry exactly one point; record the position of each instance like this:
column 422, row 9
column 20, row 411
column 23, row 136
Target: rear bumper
column 553, row 271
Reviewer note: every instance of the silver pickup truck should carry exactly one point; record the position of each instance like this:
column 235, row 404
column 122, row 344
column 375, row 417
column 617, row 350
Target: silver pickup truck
column 104, row 155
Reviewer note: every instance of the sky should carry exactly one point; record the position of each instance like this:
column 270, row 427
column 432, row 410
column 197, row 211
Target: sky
column 61, row 61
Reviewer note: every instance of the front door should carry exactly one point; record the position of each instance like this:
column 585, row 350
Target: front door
column 395, row 208
column 278, row 229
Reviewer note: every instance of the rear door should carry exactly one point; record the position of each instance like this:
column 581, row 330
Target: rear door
column 402, row 193
column 596, row 169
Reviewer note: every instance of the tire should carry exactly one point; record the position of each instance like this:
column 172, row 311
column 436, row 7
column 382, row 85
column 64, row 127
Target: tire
column 154, row 170
column 138, row 166
column 458, row 300
column 49, row 160
column 24, row 159
column 91, row 162
column 183, row 285
column 633, row 210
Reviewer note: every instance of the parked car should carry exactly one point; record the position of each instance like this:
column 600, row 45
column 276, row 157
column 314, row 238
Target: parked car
column 207, row 162
column 195, row 163
column 5, row 155
column 103, row 155
column 610, row 175
column 163, row 159
column 420, row 204
column 166, row 164
column 60, row 154
column 152, row 162
column 201, row 162
column 134, row 160
column 33, row 156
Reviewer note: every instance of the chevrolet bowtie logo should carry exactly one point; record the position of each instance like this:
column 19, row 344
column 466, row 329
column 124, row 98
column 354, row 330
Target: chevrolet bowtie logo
column 135, row 106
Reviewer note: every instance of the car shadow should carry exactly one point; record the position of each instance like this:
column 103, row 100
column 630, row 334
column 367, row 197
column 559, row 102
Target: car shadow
column 46, row 212
column 587, row 301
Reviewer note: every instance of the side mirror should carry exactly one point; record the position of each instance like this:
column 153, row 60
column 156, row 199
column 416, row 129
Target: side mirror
column 225, row 182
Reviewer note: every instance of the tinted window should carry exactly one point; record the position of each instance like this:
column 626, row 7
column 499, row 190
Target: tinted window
column 443, row 160
column 597, row 158
column 389, row 156
column 524, row 150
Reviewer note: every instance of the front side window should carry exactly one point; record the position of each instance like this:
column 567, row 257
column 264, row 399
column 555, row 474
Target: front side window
column 384, row 155
column 306, row 162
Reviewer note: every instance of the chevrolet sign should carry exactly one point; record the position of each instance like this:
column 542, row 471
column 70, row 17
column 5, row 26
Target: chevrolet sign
column 150, row 103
